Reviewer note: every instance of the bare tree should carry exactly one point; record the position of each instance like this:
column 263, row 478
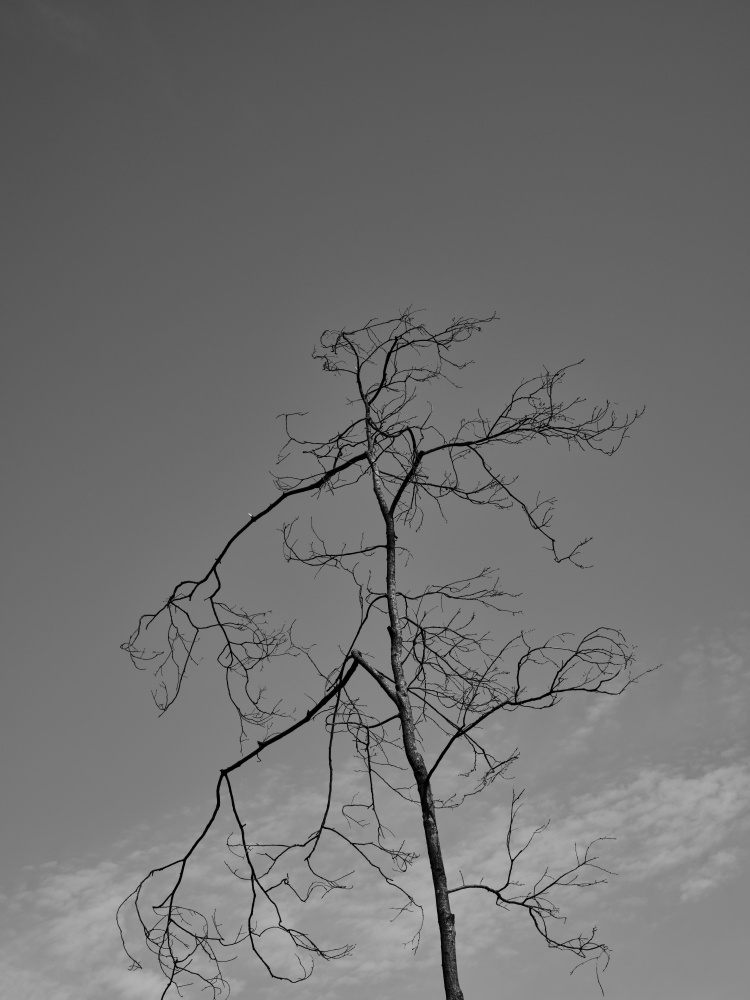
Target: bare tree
column 446, row 673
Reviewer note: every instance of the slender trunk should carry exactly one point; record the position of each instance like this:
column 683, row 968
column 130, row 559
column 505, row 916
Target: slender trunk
column 446, row 919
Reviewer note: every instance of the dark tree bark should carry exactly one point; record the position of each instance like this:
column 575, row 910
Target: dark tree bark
column 446, row 920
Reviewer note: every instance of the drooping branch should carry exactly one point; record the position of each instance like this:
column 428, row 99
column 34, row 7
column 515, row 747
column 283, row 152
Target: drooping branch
column 182, row 629
column 536, row 899
column 170, row 937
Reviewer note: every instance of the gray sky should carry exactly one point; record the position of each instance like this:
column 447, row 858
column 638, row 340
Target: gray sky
column 192, row 193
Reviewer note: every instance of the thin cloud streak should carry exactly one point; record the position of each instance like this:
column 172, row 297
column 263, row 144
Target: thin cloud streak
column 680, row 829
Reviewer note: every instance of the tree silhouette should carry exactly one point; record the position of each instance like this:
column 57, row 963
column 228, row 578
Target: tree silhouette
column 404, row 708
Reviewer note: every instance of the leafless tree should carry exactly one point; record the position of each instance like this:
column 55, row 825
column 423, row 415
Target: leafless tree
column 440, row 679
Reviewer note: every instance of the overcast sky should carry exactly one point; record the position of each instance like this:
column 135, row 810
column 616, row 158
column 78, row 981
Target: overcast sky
column 192, row 192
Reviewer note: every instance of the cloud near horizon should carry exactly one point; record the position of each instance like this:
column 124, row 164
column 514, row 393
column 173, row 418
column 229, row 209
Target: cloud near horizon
column 681, row 827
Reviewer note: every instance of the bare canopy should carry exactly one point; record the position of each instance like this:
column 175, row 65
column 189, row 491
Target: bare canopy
column 442, row 674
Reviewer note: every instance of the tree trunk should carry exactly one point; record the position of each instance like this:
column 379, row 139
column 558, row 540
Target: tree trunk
column 446, row 919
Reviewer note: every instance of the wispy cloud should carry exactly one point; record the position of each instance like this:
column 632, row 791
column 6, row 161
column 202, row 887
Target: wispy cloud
column 681, row 821
column 686, row 829
column 719, row 867
column 717, row 671
column 599, row 718
column 668, row 825
column 64, row 942
column 684, row 833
